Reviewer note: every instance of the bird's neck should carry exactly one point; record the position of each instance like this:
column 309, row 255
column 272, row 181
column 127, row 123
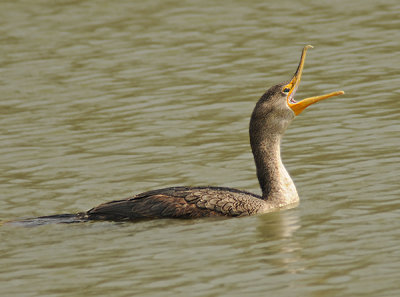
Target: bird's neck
column 275, row 182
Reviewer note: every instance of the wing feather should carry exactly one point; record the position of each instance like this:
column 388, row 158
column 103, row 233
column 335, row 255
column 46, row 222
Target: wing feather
column 179, row 202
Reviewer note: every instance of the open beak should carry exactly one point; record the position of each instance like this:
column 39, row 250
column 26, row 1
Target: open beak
column 298, row 107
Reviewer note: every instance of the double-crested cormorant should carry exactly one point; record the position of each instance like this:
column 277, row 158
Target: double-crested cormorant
column 271, row 116
column 269, row 120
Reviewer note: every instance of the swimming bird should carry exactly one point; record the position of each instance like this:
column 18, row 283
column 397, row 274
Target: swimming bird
column 269, row 120
column 271, row 116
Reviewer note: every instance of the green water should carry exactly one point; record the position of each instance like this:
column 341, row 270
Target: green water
column 101, row 100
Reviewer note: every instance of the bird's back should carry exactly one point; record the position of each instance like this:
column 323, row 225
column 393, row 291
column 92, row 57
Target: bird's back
column 180, row 202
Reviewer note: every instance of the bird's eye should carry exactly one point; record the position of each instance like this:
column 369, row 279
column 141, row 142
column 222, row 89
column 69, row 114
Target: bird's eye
column 286, row 90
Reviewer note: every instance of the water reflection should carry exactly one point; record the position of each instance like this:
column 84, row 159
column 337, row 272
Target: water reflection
column 278, row 225
column 282, row 248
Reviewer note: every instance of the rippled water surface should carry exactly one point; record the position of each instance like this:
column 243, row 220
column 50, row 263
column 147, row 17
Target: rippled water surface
column 104, row 99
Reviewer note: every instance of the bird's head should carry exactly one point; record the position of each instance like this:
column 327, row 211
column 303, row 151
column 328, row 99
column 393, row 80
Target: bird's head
column 277, row 107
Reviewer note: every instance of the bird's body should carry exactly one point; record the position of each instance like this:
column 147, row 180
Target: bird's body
column 181, row 202
column 193, row 202
column 270, row 118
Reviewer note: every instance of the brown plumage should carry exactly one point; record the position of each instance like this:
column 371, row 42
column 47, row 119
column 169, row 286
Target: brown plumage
column 270, row 118
column 177, row 202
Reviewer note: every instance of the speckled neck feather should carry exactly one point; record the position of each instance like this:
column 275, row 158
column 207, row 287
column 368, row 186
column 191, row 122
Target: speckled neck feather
column 266, row 131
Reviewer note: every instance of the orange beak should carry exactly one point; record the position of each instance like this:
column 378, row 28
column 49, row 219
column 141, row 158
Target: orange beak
column 298, row 107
